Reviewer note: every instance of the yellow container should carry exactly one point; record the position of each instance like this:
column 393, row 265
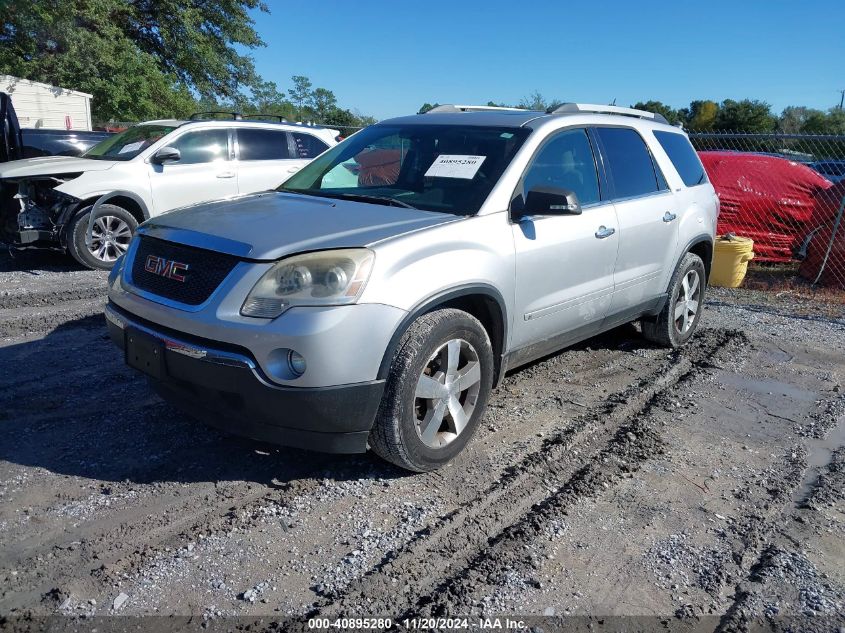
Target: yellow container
column 730, row 260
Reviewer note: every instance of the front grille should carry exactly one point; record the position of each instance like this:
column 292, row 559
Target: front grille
column 203, row 270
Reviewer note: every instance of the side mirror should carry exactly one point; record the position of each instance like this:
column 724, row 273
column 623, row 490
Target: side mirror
column 166, row 155
column 549, row 201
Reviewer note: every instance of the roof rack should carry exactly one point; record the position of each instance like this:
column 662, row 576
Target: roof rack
column 237, row 116
column 449, row 107
column 278, row 117
column 573, row 108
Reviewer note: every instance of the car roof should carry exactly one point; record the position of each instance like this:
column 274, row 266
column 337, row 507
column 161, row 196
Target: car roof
column 238, row 123
column 487, row 118
column 533, row 119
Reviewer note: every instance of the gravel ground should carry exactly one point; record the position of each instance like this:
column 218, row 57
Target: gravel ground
column 703, row 485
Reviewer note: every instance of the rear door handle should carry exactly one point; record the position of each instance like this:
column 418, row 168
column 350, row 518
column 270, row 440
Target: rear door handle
column 669, row 216
column 226, row 174
column 293, row 170
column 604, row 232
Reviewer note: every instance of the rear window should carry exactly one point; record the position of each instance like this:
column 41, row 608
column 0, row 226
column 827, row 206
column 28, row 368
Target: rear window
column 630, row 163
column 262, row 144
column 683, row 157
column 307, row 146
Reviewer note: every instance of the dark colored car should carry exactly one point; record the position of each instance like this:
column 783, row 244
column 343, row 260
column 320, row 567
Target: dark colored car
column 833, row 170
column 20, row 143
column 40, row 142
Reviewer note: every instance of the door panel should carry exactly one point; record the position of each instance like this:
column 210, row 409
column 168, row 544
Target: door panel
column 264, row 159
column 647, row 246
column 564, row 263
column 647, row 214
column 564, row 273
column 267, row 158
column 203, row 173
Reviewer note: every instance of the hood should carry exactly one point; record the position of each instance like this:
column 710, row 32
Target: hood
column 49, row 165
column 270, row 225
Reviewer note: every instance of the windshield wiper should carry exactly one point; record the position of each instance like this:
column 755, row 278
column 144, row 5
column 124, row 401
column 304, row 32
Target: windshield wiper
column 377, row 199
column 320, row 193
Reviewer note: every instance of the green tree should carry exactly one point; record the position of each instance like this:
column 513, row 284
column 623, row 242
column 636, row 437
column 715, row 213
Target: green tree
column 794, row 118
column 701, row 115
column 323, row 103
column 658, row 107
column 426, row 107
column 267, row 99
column 300, row 94
column 831, row 122
column 536, row 101
column 140, row 59
column 748, row 115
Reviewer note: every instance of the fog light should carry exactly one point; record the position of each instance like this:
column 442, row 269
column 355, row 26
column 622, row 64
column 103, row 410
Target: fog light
column 296, row 362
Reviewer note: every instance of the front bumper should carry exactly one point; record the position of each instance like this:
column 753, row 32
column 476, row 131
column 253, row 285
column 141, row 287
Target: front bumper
column 341, row 344
column 226, row 388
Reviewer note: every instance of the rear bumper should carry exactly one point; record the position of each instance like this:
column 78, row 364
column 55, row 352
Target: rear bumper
column 226, row 389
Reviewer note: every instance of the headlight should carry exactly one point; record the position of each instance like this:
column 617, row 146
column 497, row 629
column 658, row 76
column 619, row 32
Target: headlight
column 314, row 279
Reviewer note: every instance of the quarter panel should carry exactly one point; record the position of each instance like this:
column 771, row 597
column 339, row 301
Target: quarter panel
column 698, row 210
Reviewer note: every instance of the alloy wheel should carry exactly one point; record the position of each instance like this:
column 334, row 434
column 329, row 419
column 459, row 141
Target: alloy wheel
column 110, row 237
column 688, row 303
column 447, row 392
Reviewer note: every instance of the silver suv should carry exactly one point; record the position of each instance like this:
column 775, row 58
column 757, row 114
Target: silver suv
column 376, row 298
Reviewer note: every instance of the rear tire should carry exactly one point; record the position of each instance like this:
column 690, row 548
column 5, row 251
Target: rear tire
column 679, row 318
column 436, row 393
column 113, row 229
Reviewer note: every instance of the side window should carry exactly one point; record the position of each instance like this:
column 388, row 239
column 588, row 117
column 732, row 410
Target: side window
column 202, row 146
column 683, row 157
column 262, row 144
column 306, row 145
column 629, row 162
column 566, row 162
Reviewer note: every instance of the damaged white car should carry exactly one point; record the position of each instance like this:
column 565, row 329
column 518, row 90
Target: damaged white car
column 146, row 170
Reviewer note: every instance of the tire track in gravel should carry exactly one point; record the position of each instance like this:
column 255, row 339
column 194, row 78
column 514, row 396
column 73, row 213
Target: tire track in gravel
column 25, row 320
column 434, row 564
column 114, row 546
column 48, row 297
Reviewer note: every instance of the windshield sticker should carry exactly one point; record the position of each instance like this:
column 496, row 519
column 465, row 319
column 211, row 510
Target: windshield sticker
column 455, row 166
column 131, row 147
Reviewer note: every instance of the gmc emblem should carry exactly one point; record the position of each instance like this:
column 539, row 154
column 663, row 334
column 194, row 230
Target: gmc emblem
column 166, row 267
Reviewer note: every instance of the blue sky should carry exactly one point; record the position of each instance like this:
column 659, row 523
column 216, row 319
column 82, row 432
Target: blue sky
column 388, row 58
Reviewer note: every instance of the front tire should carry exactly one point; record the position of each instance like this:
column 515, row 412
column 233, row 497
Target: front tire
column 439, row 384
column 679, row 318
column 112, row 231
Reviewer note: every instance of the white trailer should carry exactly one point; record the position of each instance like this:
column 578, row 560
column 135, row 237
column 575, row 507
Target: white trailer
column 44, row 106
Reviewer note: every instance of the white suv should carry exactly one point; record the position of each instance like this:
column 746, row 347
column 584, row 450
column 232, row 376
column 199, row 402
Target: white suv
column 147, row 170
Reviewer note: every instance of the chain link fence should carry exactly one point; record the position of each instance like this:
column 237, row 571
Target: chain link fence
column 787, row 193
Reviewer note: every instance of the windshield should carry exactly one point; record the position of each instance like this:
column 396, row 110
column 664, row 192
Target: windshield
column 447, row 168
column 129, row 143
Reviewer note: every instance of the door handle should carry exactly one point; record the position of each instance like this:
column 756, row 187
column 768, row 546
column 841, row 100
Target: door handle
column 604, row 232
column 226, row 174
column 293, row 170
column 669, row 216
